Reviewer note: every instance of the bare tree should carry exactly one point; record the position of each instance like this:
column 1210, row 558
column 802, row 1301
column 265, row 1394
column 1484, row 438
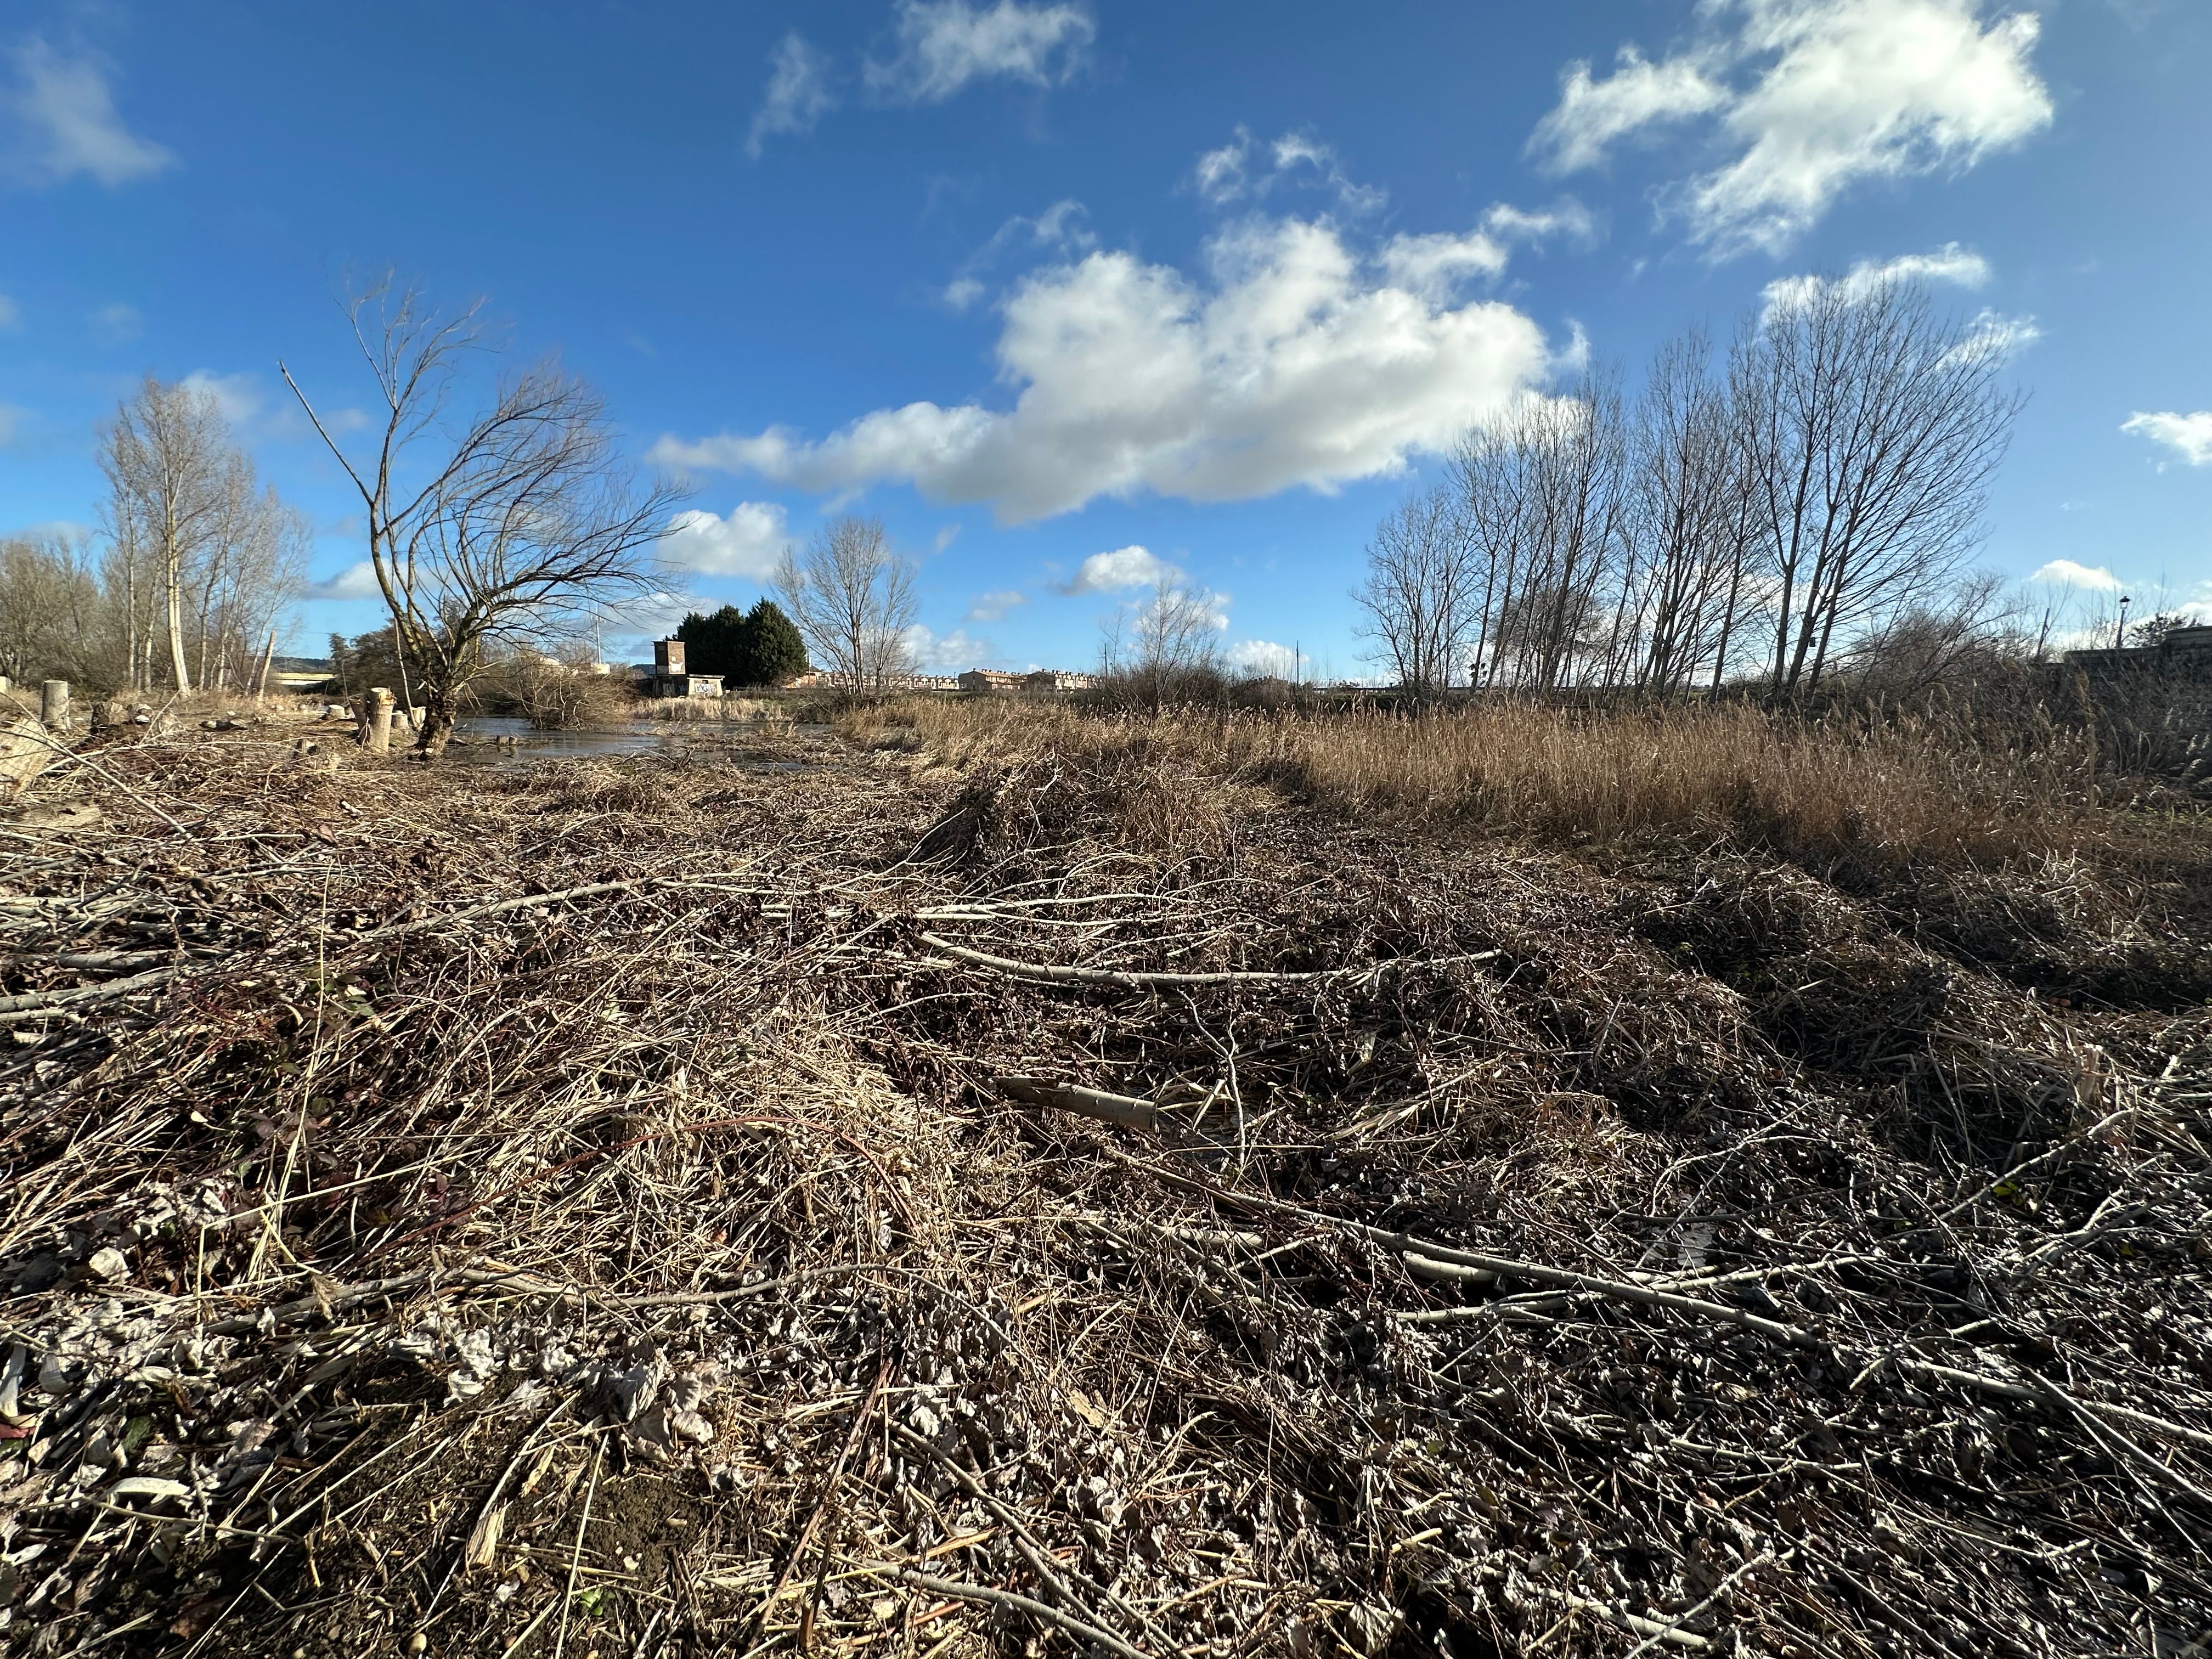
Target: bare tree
column 1689, row 530
column 53, row 623
column 1542, row 488
column 1422, row 597
column 521, row 522
column 170, row 472
column 1161, row 647
column 852, row 594
column 1871, row 427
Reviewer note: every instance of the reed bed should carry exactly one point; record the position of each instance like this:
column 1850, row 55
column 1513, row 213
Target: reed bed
column 1070, row 1201
column 1836, row 789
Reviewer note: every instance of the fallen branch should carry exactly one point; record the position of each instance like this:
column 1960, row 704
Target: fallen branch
column 39, row 1002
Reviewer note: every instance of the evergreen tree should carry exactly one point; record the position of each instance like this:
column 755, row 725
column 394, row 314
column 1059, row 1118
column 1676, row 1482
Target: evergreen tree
column 713, row 645
column 771, row 650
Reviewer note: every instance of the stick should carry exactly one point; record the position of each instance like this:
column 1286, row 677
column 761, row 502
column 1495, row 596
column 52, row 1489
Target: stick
column 821, row 1504
column 1052, row 974
column 1035, row 1610
column 1667, row 1634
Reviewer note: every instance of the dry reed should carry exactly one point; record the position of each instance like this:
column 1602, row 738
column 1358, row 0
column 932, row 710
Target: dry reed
column 1825, row 790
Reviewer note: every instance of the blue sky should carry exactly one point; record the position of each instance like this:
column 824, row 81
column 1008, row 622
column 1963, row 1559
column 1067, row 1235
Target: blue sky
column 1068, row 290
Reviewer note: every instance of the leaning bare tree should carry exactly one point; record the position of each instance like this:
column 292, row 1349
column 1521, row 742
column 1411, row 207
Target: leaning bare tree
column 852, row 594
column 1871, row 426
column 518, row 522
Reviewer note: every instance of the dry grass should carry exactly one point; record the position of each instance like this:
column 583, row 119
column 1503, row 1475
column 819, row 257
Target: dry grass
column 583, row 1209
column 1818, row 791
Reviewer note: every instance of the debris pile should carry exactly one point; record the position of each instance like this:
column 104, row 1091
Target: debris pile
column 684, row 1207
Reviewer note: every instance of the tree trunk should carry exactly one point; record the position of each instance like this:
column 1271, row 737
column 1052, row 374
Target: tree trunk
column 261, row 680
column 173, row 581
column 435, row 725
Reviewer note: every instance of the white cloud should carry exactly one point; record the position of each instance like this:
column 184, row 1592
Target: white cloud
column 748, row 543
column 990, row 607
column 2065, row 573
column 64, row 122
column 2189, row 437
column 1294, row 160
column 1288, row 364
column 1813, row 96
column 255, row 412
column 1059, row 229
column 1220, row 175
column 943, row 654
column 798, row 95
column 1994, row 331
column 356, row 581
column 1950, row 262
column 943, row 45
column 118, row 324
column 238, row 398
column 1592, row 113
column 11, row 315
column 1124, row 567
column 1434, row 265
column 1263, row 657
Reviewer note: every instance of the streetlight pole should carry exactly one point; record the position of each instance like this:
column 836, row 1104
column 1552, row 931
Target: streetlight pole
column 2120, row 633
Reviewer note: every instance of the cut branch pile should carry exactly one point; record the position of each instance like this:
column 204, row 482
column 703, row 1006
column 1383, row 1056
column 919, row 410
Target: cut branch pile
column 672, row 1207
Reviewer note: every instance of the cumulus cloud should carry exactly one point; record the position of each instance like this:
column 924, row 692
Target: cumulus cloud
column 1950, row 262
column 2065, row 573
column 1292, row 360
column 2189, row 437
column 945, row 653
column 799, row 92
column 941, row 46
column 991, row 607
column 63, row 123
column 356, row 581
column 1124, row 567
column 748, row 542
column 1263, row 657
column 1810, row 97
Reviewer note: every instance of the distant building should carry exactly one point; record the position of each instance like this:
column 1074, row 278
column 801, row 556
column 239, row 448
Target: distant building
column 988, row 682
column 1051, row 682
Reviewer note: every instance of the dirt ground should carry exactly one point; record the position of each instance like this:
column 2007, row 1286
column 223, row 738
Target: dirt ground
column 793, row 1196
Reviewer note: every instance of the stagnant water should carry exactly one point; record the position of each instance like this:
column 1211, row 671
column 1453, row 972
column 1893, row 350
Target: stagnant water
column 476, row 739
